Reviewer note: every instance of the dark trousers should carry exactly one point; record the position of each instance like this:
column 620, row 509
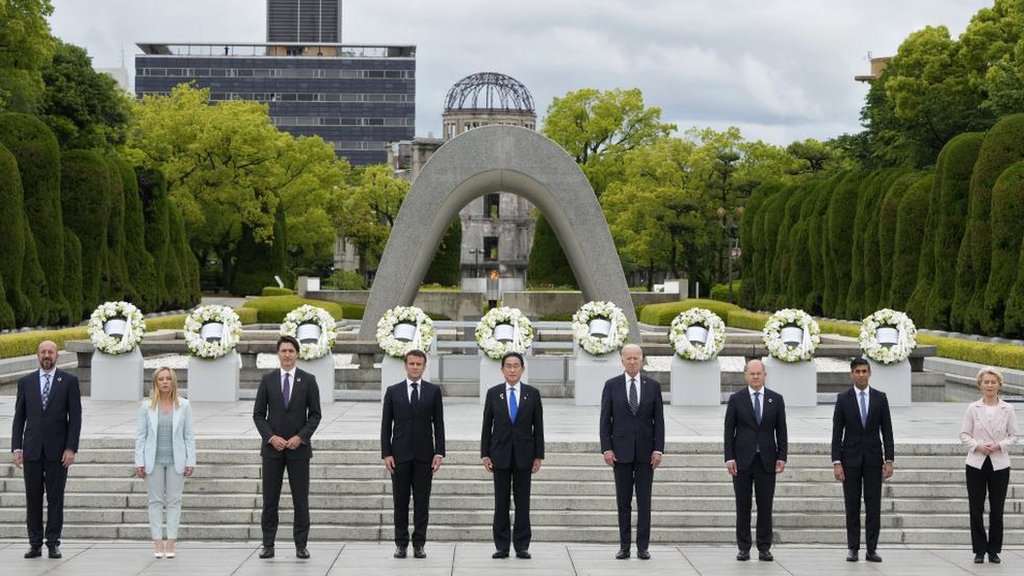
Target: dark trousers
column 995, row 482
column 298, row 481
column 633, row 476
column 868, row 480
column 49, row 476
column 762, row 483
column 506, row 483
column 411, row 479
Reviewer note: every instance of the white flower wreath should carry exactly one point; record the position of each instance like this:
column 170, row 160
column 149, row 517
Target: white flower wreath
column 522, row 332
column 307, row 314
column 890, row 352
column 608, row 311
column 423, row 336
column 810, row 337
column 703, row 318
column 213, row 313
column 134, row 329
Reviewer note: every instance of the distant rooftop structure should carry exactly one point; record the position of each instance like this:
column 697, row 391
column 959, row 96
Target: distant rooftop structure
column 276, row 49
column 877, row 67
column 489, row 91
column 304, row 21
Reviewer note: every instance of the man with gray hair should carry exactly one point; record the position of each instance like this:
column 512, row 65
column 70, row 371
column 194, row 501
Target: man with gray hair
column 632, row 442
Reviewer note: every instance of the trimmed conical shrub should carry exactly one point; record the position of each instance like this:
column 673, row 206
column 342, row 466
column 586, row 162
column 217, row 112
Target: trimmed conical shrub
column 1004, row 296
column 913, row 210
column 85, row 192
column 12, row 238
column 888, row 247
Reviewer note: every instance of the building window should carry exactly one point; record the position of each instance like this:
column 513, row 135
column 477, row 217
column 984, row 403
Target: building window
column 492, row 206
column 491, row 248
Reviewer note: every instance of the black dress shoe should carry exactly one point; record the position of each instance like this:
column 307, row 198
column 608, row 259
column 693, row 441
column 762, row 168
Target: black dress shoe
column 54, row 552
column 267, row 552
column 400, row 552
column 524, row 554
column 418, row 552
column 872, row 556
column 979, row 558
column 851, row 555
column 765, row 556
column 622, row 554
column 500, row 554
column 743, row 555
column 994, row 558
column 34, row 552
column 643, row 554
column 302, row 553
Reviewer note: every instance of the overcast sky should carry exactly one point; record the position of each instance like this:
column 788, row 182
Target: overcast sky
column 781, row 70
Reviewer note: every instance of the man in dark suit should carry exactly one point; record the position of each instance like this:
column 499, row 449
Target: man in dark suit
column 755, row 451
column 286, row 413
column 412, row 446
column 512, row 448
column 862, row 456
column 44, row 439
column 632, row 442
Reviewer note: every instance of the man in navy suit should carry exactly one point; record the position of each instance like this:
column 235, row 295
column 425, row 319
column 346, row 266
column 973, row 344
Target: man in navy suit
column 755, row 451
column 412, row 446
column 862, row 456
column 512, row 449
column 632, row 442
column 286, row 413
column 44, row 439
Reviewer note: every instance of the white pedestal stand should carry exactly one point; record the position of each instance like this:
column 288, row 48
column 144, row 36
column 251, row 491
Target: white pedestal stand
column 696, row 383
column 796, row 381
column 117, row 376
column 214, row 380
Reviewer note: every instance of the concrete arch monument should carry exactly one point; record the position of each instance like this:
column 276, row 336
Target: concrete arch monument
column 491, row 159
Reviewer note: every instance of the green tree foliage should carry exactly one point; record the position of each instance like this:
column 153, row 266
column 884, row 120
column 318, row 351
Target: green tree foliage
column 12, row 238
column 85, row 192
column 35, row 286
column 752, row 284
column 800, row 283
column 953, row 177
column 156, row 212
column 188, row 293
column 782, row 262
column 889, row 249
column 871, row 265
column 114, row 283
column 26, row 47
column 913, row 210
column 6, row 313
column 1007, row 235
column 842, row 210
column 84, row 108
column 818, row 248
column 38, row 156
column 73, row 276
column 138, row 263
column 548, row 265
column 258, row 263
column 1008, row 192
column 367, row 212
column 444, row 268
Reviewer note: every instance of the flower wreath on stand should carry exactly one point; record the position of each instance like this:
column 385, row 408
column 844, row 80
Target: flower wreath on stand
column 212, row 314
column 133, row 330
column 898, row 336
column 522, row 332
column 796, row 351
column 314, row 316
column 423, row 334
column 702, row 318
column 597, row 345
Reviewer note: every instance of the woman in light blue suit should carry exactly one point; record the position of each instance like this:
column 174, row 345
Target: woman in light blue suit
column 165, row 453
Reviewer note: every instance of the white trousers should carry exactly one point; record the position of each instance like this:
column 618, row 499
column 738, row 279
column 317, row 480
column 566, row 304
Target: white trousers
column 164, row 487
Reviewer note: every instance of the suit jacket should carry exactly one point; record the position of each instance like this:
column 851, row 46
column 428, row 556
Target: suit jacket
column 46, row 434
column 855, row 445
column 501, row 439
column 632, row 437
column 300, row 418
column 744, row 436
column 978, row 430
column 408, row 434
column 183, row 438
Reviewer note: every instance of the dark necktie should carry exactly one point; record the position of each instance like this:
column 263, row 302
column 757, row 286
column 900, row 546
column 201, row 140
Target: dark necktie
column 513, row 407
column 46, row 390
column 634, row 399
column 415, row 398
column 287, row 388
column 757, row 407
column 864, row 409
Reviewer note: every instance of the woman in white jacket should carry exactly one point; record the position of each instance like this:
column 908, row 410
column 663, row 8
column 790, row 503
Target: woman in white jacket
column 989, row 429
column 165, row 453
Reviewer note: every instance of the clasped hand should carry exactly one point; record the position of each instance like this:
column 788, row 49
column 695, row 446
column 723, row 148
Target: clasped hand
column 280, row 444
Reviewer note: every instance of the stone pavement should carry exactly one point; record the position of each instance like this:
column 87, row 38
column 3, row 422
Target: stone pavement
column 222, row 559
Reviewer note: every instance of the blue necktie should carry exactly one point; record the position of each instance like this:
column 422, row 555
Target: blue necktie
column 46, row 391
column 513, row 408
column 757, row 407
column 634, row 398
column 864, row 409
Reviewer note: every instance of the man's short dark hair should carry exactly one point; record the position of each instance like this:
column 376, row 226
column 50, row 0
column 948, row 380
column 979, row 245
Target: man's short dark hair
column 859, row 361
column 289, row 339
column 417, row 353
column 513, row 355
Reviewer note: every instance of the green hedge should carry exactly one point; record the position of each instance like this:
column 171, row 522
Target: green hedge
column 85, row 194
column 444, row 269
column 276, row 291
column 548, row 264
column 662, row 314
column 12, row 238
column 273, row 309
column 720, row 292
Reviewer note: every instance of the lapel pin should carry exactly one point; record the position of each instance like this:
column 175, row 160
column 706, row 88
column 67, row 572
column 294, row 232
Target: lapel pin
column 501, row 396
column 769, row 400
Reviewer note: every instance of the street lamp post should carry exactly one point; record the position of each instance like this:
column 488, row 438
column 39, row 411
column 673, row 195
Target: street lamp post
column 729, row 221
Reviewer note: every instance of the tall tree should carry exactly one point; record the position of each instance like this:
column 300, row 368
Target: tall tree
column 26, row 47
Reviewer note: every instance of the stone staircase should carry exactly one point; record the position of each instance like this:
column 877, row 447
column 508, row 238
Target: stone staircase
column 573, row 496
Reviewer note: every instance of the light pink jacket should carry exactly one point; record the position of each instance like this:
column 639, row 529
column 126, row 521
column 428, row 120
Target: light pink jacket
column 977, row 430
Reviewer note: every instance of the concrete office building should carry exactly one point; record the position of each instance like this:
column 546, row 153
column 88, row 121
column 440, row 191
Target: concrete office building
column 316, row 21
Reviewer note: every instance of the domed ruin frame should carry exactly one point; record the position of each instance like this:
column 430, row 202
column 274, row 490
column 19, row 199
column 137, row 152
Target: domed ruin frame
column 492, row 159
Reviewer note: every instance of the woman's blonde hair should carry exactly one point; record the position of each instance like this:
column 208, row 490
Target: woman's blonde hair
column 154, row 396
column 990, row 370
